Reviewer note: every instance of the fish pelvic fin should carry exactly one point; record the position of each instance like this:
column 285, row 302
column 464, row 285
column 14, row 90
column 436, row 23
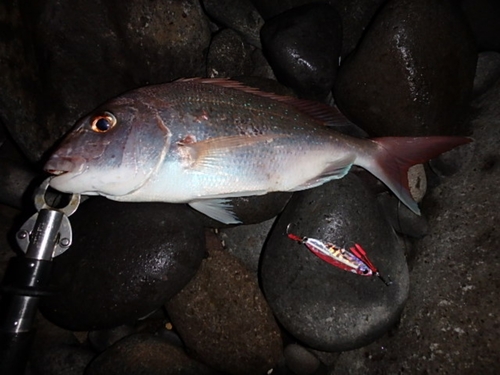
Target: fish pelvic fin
column 395, row 155
column 219, row 209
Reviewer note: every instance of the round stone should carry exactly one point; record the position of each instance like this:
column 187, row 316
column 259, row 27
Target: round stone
column 323, row 306
column 223, row 318
column 144, row 353
column 303, row 47
column 411, row 73
column 126, row 260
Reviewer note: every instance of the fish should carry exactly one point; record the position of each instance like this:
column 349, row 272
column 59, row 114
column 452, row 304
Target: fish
column 203, row 141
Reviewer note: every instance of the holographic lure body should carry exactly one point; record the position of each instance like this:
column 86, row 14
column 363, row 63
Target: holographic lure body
column 353, row 260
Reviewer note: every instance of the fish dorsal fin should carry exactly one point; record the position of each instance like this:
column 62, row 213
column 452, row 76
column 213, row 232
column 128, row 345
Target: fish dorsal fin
column 330, row 116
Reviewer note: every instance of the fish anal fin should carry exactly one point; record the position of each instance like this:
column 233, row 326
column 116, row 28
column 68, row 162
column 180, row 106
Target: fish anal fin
column 218, row 209
column 333, row 171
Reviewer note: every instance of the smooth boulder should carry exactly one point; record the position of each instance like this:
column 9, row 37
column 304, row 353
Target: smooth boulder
column 126, row 260
column 323, row 306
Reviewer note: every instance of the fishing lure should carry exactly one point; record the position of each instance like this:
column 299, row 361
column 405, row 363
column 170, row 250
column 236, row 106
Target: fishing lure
column 353, row 260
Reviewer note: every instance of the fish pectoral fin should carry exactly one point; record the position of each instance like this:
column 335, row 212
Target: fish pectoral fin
column 219, row 209
column 333, row 171
column 211, row 151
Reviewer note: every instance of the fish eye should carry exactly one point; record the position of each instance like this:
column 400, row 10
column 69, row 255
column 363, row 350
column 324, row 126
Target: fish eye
column 103, row 122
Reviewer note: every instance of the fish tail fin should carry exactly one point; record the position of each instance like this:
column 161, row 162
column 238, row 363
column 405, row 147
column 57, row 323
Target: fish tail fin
column 395, row 155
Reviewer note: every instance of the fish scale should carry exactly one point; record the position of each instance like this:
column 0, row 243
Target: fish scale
column 202, row 141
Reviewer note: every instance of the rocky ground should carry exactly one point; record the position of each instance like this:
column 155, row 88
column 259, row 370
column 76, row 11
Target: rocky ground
column 450, row 323
column 160, row 289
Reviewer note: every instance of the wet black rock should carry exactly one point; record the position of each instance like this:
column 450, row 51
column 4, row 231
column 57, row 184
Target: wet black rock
column 229, row 56
column 239, row 15
column 303, row 48
column 223, row 318
column 63, row 59
column 356, row 16
column 145, row 354
column 483, row 16
column 412, row 72
column 126, row 260
column 323, row 306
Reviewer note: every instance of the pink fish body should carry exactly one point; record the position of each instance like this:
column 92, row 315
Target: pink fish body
column 201, row 141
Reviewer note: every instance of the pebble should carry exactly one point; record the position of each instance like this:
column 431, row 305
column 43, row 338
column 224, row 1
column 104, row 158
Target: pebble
column 223, row 318
column 417, row 181
column 144, row 353
column 322, row 306
column 303, row 47
column 411, row 73
column 126, row 260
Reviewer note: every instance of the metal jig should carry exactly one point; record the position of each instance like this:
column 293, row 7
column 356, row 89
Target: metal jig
column 353, row 260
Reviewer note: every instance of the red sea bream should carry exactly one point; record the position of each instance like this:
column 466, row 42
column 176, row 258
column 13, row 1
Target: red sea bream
column 201, row 141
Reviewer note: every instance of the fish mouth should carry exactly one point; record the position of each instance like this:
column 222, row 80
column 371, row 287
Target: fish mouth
column 55, row 172
column 59, row 165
